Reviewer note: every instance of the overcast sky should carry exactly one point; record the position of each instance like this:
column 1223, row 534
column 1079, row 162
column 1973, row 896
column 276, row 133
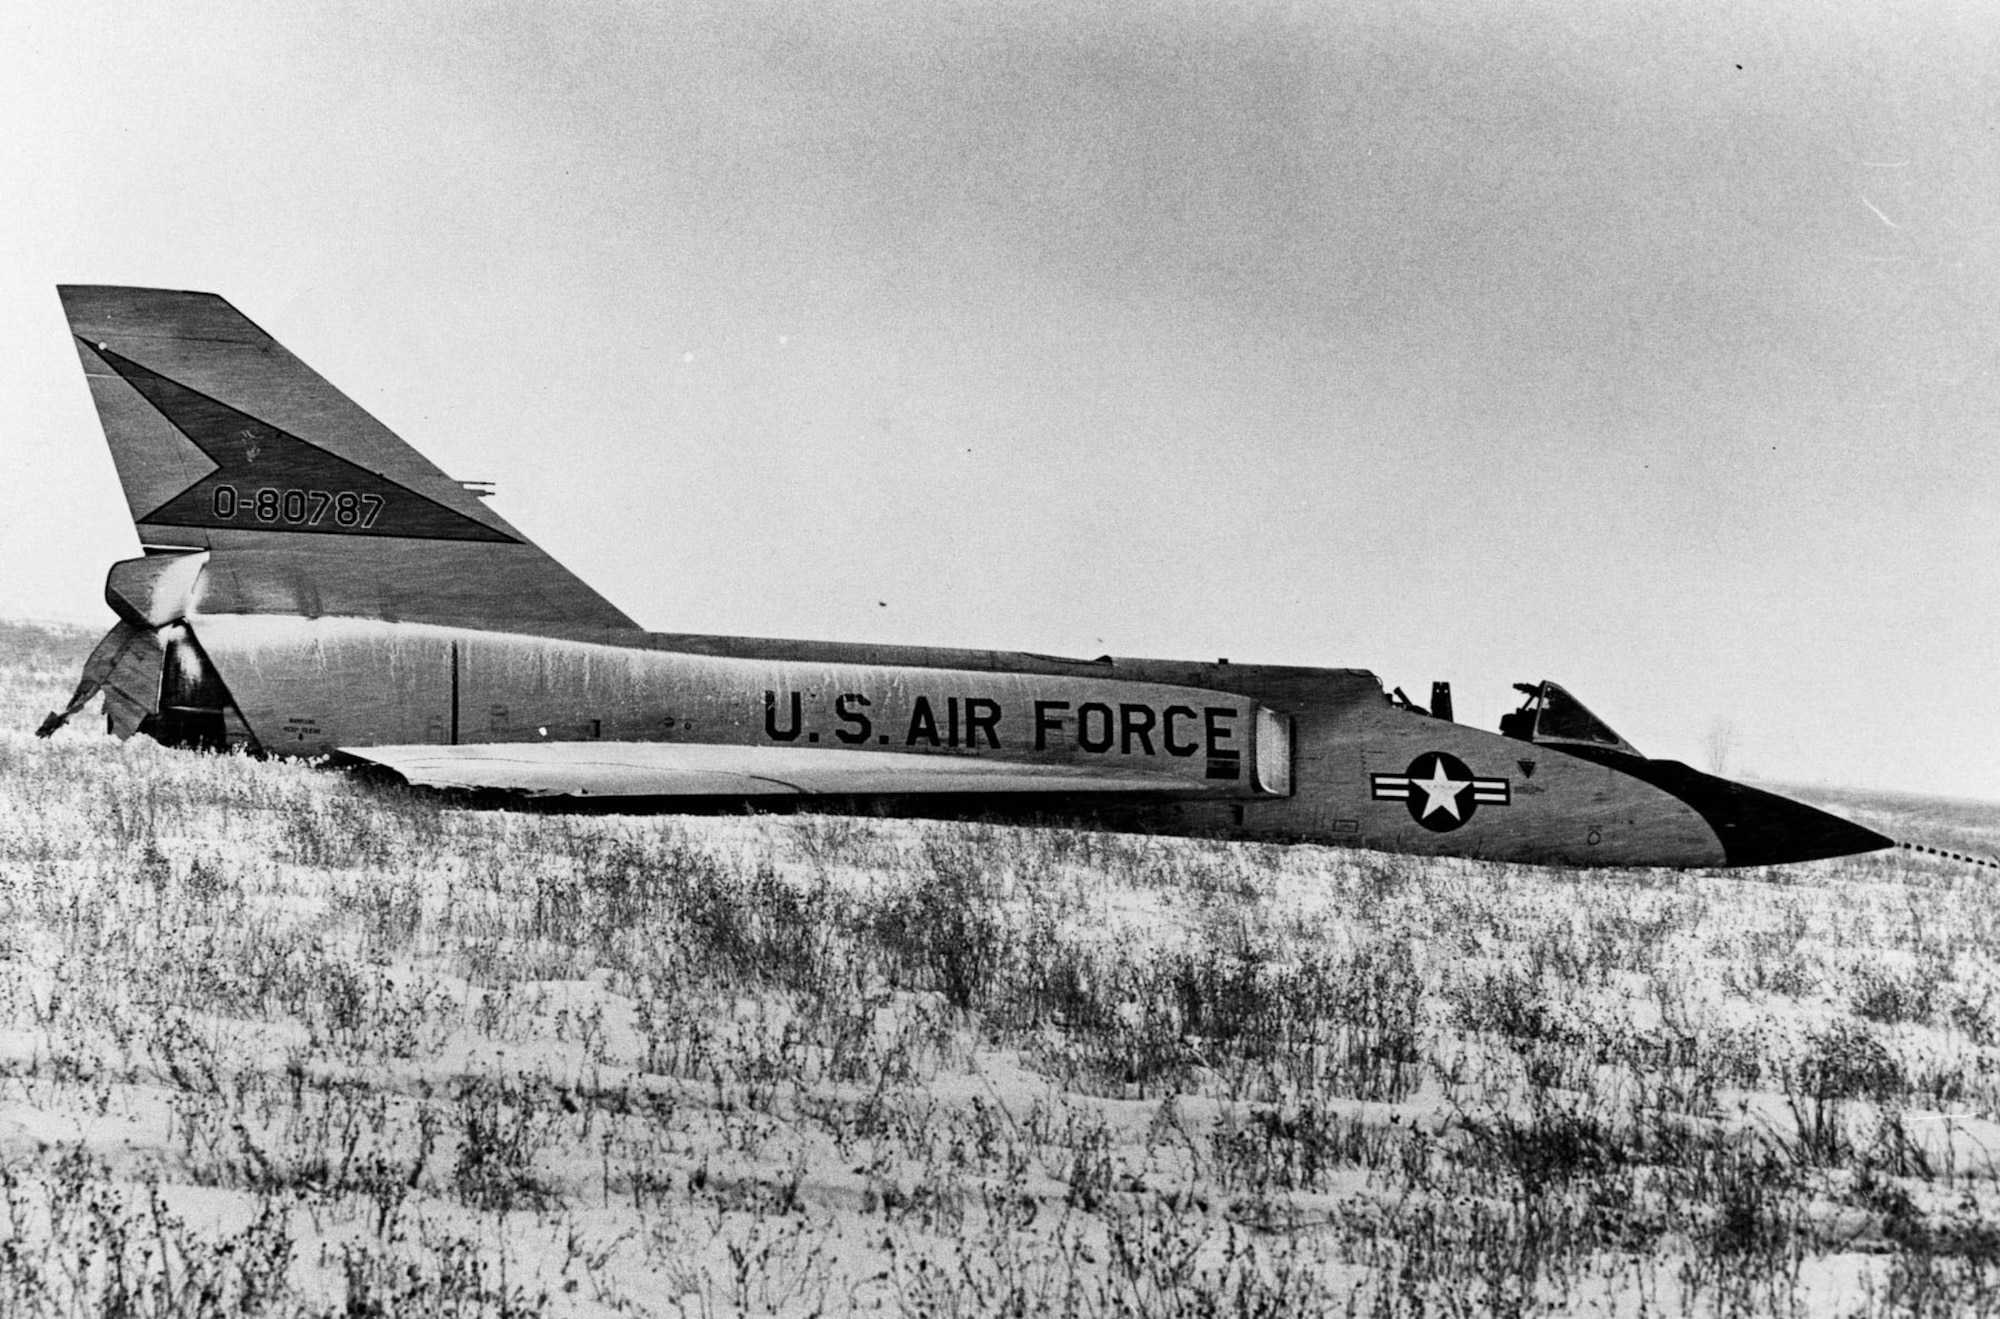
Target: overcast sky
column 1646, row 348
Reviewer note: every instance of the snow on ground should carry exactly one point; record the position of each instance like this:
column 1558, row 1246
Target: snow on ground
column 277, row 1040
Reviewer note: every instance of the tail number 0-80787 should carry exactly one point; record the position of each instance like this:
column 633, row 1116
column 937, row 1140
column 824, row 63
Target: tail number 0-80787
column 298, row 508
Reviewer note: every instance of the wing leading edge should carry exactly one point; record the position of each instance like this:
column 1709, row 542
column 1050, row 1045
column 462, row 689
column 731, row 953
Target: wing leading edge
column 656, row 769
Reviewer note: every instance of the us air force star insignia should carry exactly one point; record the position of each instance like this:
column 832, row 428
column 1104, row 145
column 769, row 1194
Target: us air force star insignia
column 1441, row 792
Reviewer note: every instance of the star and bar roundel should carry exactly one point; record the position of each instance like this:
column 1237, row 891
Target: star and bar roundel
column 1441, row 792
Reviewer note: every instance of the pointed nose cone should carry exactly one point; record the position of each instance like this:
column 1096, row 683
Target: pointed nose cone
column 1759, row 828
column 1764, row 829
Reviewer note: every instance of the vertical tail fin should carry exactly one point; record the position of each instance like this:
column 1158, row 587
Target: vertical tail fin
column 226, row 442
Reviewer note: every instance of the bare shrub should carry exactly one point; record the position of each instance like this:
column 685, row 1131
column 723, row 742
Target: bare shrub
column 946, row 928
column 502, row 1124
column 1840, row 1064
column 1299, row 1148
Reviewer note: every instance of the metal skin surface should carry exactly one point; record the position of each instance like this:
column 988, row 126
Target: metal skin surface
column 312, row 586
column 379, row 691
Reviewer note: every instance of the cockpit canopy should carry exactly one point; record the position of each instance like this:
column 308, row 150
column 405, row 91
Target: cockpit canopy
column 1551, row 716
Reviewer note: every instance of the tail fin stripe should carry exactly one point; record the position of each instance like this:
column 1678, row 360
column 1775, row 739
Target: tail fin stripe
column 267, row 479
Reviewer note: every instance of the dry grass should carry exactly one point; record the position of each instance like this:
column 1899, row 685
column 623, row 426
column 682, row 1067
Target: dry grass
column 277, row 1041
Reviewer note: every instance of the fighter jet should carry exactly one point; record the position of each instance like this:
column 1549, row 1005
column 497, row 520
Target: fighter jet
column 312, row 586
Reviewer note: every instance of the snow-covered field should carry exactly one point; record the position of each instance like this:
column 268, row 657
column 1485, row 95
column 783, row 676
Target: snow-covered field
column 274, row 1040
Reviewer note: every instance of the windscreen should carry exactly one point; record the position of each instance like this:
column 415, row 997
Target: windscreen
column 1563, row 718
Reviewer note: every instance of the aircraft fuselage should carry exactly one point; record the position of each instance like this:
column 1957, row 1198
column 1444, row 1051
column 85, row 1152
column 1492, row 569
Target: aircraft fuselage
column 313, row 585
column 1257, row 751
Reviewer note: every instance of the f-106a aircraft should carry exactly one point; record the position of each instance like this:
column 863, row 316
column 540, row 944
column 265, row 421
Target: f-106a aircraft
column 311, row 585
